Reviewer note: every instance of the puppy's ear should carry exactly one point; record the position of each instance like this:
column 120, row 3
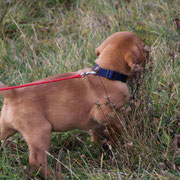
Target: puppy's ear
column 100, row 49
column 131, row 61
column 97, row 51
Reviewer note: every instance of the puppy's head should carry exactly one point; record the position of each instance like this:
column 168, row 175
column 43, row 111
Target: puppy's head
column 124, row 52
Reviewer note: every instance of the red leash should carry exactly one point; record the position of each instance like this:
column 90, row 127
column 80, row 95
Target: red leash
column 42, row 82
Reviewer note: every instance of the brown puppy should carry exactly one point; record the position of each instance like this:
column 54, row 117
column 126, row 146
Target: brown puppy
column 83, row 103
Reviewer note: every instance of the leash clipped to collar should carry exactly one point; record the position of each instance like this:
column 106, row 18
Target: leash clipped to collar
column 110, row 74
column 88, row 73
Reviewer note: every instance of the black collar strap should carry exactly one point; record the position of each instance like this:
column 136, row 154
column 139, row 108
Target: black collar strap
column 113, row 75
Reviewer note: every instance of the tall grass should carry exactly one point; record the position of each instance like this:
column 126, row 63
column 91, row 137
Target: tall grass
column 42, row 38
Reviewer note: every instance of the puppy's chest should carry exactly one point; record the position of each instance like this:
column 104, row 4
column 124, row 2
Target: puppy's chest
column 117, row 95
column 117, row 99
column 112, row 102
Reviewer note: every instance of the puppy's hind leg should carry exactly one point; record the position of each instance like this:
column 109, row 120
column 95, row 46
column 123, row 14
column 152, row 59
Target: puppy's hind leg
column 5, row 130
column 38, row 140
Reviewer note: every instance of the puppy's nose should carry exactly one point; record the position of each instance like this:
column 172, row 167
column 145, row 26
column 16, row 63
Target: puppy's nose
column 147, row 48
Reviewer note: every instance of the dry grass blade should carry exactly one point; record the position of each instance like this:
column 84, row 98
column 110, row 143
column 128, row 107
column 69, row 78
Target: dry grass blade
column 50, row 155
column 58, row 172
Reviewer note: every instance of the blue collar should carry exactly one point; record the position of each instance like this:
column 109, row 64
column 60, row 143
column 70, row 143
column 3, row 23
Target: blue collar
column 113, row 75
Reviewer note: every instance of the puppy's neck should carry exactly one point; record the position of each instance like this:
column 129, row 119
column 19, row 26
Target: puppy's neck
column 121, row 67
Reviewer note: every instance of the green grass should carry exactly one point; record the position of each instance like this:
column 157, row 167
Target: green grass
column 43, row 38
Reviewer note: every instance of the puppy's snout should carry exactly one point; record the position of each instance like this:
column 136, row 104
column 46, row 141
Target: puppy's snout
column 147, row 48
column 0, row 134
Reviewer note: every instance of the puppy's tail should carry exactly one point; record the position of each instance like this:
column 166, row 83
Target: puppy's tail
column 6, row 92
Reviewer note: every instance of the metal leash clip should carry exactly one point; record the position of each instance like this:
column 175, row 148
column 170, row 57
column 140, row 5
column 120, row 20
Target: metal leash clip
column 87, row 73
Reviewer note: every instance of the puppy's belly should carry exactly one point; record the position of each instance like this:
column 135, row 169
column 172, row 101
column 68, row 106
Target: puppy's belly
column 68, row 124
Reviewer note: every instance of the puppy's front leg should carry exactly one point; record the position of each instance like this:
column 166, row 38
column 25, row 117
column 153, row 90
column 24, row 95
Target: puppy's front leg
column 97, row 134
column 112, row 124
column 102, row 114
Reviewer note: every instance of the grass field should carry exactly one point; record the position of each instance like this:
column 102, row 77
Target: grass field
column 43, row 38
